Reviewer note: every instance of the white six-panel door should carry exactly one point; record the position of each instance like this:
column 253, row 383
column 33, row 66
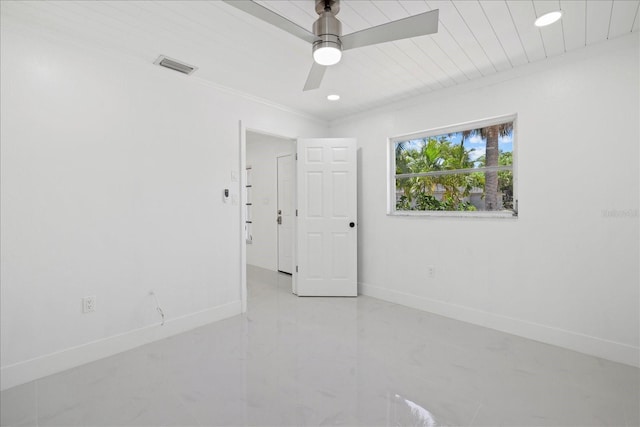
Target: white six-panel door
column 327, row 211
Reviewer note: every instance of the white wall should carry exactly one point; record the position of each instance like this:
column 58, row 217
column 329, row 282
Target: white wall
column 262, row 153
column 564, row 272
column 112, row 178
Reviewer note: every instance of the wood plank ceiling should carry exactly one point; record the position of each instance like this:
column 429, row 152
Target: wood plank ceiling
column 239, row 53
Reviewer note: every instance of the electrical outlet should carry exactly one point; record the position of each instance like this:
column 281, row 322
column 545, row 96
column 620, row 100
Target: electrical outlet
column 88, row 304
column 431, row 271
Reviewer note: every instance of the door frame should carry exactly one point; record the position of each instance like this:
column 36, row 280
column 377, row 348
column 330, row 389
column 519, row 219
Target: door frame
column 243, row 129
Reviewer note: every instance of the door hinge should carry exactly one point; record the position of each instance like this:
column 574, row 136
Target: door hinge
column 296, row 268
column 296, row 156
column 296, row 212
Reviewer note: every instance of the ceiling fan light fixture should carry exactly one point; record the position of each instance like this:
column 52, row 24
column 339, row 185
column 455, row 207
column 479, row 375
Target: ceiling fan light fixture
column 326, row 53
column 327, row 48
column 548, row 18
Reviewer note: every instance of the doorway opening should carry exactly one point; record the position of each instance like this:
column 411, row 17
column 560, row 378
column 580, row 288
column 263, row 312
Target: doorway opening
column 323, row 237
column 269, row 203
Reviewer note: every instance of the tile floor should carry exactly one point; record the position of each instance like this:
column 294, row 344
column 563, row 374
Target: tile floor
column 333, row 361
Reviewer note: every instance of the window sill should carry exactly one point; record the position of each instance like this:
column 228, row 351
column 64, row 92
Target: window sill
column 454, row 214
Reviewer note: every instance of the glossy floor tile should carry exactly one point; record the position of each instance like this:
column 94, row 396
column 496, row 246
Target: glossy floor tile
column 333, row 361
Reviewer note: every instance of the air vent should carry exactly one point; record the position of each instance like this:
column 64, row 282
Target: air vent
column 181, row 67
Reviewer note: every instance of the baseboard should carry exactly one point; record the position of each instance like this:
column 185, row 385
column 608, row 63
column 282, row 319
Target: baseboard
column 610, row 350
column 39, row 367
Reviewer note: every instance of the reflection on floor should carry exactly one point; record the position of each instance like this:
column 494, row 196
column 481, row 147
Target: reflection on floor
column 326, row 361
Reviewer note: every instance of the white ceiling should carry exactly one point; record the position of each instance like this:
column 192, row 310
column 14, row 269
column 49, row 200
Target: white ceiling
column 239, row 52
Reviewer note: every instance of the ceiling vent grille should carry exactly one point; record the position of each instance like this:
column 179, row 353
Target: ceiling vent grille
column 175, row 65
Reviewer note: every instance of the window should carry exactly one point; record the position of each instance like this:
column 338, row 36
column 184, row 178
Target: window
column 462, row 170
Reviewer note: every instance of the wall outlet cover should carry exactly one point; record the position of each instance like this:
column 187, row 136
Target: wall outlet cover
column 89, row 304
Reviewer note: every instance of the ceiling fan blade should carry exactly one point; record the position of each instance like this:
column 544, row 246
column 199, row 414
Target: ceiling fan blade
column 315, row 76
column 261, row 12
column 412, row 26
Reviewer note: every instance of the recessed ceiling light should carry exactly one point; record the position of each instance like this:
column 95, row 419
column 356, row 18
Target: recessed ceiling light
column 333, row 97
column 548, row 18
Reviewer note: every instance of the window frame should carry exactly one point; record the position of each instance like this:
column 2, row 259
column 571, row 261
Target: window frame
column 474, row 124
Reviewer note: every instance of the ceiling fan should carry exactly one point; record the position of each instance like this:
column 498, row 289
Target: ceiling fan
column 327, row 39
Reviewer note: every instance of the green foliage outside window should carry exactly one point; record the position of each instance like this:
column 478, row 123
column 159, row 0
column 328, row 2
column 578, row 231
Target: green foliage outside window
column 449, row 160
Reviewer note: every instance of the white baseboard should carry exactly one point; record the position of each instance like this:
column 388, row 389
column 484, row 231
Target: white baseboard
column 610, row 350
column 39, row 367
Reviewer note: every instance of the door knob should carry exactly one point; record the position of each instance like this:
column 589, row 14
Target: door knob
column 352, row 224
